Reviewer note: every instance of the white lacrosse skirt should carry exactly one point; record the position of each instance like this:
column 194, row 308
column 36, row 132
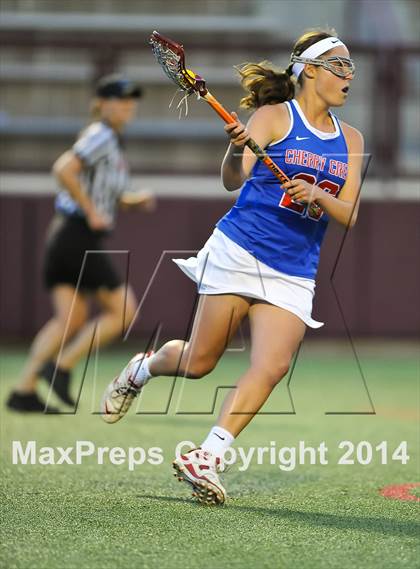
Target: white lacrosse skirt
column 223, row 267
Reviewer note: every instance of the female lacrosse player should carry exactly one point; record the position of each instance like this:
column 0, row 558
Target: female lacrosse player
column 262, row 258
column 94, row 180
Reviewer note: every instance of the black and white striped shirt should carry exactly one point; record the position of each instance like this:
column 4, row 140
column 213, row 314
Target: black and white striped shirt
column 105, row 175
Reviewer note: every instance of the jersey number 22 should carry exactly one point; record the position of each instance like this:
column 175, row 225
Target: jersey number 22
column 314, row 211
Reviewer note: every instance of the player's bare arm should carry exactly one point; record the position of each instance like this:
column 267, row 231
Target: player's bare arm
column 267, row 123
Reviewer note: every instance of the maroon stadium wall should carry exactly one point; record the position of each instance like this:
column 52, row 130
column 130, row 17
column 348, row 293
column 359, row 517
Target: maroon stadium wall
column 368, row 281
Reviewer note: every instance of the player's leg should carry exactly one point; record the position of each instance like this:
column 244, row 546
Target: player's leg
column 70, row 311
column 275, row 337
column 216, row 320
column 118, row 310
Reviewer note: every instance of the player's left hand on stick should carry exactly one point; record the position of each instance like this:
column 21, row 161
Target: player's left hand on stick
column 237, row 131
column 301, row 191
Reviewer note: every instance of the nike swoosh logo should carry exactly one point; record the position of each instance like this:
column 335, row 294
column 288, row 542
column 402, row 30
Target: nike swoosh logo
column 334, row 41
column 302, row 138
column 222, row 438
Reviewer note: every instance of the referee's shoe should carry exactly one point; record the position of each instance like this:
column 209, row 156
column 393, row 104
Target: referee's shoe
column 59, row 380
column 29, row 403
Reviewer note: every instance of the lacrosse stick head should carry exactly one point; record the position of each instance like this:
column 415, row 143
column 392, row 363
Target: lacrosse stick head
column 170, row 55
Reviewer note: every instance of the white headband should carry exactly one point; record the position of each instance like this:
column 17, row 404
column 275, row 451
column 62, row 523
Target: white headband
column 316, row 49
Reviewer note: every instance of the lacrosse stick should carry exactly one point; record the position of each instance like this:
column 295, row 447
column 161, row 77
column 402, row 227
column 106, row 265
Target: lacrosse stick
column 170, row 56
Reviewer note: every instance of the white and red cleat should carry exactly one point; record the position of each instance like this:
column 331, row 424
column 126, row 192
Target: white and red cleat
column 200, row 469
column 121, row 392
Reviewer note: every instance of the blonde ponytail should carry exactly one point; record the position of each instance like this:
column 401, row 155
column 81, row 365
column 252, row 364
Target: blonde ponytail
column 265, row 84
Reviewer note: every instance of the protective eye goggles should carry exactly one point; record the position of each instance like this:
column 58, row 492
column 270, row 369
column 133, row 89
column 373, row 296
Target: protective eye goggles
column 339, row 66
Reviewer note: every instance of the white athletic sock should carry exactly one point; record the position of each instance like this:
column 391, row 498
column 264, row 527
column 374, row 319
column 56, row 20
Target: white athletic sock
column 217, row 441
column 143, row 374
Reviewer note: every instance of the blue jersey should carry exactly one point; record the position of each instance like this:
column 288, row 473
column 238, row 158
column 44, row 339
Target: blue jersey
column 278, row 232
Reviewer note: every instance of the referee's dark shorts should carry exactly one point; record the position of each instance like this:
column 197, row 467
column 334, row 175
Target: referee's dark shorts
column 66, row 260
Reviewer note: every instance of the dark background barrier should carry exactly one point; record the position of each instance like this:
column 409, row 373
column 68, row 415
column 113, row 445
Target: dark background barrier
column 374, row 290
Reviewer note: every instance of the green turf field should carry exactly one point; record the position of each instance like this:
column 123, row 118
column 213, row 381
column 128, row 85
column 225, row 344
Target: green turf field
column 314, row 516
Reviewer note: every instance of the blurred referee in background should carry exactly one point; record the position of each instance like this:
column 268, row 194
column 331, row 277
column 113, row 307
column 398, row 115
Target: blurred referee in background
column 94, row 180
